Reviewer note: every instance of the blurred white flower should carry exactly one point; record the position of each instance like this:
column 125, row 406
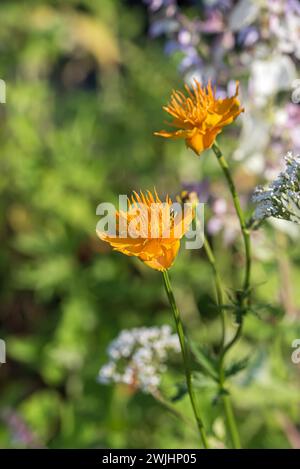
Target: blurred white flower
column 243, row 14
column 138, row 357
column 269, row 76
column 253, row 148
column 286, row 227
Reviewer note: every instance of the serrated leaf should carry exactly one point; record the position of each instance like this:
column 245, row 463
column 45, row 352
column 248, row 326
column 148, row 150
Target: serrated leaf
column 236, row 367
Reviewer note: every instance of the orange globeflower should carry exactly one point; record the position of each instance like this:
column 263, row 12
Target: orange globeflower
column 149, row 230
column 200, row 116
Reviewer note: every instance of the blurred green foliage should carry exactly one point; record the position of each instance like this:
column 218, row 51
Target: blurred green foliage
column 84, row 91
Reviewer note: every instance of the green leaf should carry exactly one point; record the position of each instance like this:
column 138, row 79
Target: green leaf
column 207, row 363
column 236, row 367
column 180, row 393
column 221, row 392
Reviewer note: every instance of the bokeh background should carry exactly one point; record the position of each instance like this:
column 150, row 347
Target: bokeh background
column 85, row 82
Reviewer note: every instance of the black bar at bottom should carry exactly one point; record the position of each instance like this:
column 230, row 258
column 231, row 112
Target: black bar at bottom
column 150, row 457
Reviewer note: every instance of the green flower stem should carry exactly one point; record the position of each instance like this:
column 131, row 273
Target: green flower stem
column 218, row 285
column 185, row 355
column 243, row 299
column 233, row 340
column 245, row 231
column 231, row 423
column 229, row 415
column 230, row 420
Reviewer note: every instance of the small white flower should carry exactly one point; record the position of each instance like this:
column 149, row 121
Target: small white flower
column 281, row 199
column 138, row 357
column 106, row 373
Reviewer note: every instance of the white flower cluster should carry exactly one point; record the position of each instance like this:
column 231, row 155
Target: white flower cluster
column 138, row 357
column 281, row 199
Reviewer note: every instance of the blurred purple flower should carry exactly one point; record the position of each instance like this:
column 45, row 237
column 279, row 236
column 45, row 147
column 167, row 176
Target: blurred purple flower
column 293, row 124
column 293, row 6
column 171, row 46
column 213, row 23
column 218, row 4
column 287, row 125
column 293, row 116
column 20, row 431
column 284, row 25
column 155, row 5
column 247, row 37
column 163, row 26
column 222, row 92
column 281, row 6
column 223, row 219
column 202, row 189
column 184, row 37
column 191, row 60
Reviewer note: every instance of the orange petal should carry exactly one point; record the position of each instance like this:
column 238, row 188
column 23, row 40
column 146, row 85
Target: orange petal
column 196, row 142
column 166, row 259
column 128, row 246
